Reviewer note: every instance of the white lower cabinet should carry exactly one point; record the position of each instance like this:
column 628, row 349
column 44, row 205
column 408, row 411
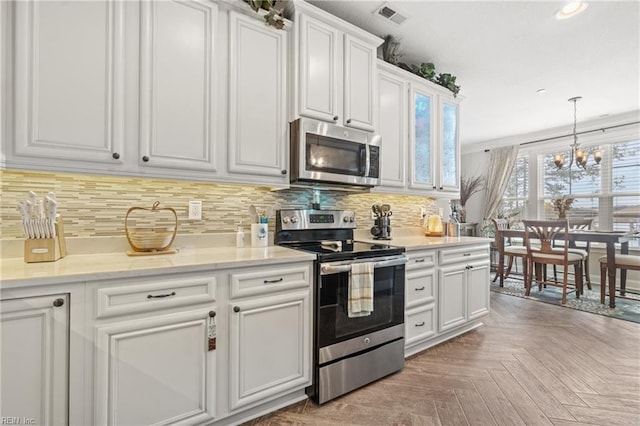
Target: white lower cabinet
column 269, row 352
column 153, row 362
column 34, row 355
column 463, row 285
column 447, row 290
column 156, row 370
column 269, row 333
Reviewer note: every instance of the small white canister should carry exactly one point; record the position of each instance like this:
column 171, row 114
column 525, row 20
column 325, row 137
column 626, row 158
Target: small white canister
column 259, row 234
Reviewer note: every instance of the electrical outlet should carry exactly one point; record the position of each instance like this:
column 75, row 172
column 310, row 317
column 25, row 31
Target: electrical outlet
column 195, row 210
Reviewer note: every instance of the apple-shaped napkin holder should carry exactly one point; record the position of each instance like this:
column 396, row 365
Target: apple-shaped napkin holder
column 150, row 230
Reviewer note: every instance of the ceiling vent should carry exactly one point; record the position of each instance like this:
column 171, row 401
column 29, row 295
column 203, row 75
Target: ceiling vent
column 390, row 13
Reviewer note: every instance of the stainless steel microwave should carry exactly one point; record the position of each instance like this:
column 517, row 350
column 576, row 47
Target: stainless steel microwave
column 325, row 153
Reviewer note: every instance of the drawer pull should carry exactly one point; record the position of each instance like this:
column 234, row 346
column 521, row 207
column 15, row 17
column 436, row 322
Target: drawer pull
column 419, row 260
column 466, row 254
column 273, row 281
column 419, row 288
column 161, row 296
column 420, row 324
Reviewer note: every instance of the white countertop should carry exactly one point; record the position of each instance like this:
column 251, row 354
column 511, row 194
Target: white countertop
column 194, row 254
column 86, row 267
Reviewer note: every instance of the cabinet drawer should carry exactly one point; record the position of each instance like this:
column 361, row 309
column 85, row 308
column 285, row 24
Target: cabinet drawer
column 463, row 254
column 141, row 296
column 269, row 280
column 420, row 287
column 420, row 324
column 421, row 259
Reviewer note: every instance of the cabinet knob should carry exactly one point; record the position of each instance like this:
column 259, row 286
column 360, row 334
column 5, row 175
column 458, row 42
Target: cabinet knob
column 284, row 172
column 58, row 302
column 236, row 309
column 212, row 314
column 115, row 156
column 145, row 159
column 349, row 121
column 434, row 187
column 441, row 188
column 335, row 118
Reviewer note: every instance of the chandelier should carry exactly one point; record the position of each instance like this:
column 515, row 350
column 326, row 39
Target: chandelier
column 581, row 157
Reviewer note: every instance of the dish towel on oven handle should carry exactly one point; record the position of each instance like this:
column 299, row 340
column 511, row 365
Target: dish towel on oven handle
column 360, row 290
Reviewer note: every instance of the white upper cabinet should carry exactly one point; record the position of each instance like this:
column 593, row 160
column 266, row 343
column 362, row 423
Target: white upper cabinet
column 419, row 125
column 258, row 144
column 335, row 66
column 393, row 126
column 360, row 88
column 422, row 139
column 178, row 114
column 68, row 78
column 320, row 65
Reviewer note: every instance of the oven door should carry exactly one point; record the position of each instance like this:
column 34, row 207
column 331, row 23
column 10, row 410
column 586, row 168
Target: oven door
column 333, row 323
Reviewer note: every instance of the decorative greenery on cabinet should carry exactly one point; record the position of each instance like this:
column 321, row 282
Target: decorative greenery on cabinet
column 427, row 70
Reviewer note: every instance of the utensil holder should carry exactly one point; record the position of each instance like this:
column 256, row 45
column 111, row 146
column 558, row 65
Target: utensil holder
column 46, row 249
column 259, row 234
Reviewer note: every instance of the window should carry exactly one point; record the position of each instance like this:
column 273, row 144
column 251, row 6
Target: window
column 515, row 196
column 608, row 193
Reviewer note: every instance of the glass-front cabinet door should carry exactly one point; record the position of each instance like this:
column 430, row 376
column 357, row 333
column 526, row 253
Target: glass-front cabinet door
column 449, row 164
column 422, row 139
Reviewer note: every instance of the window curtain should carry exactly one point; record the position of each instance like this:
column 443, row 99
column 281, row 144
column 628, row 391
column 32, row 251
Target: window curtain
column 501, row 165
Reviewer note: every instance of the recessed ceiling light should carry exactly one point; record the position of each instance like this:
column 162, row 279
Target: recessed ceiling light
column 541, row 91
column 571, row 9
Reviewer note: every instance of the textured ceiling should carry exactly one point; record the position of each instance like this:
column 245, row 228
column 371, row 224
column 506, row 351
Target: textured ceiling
column 502, row 52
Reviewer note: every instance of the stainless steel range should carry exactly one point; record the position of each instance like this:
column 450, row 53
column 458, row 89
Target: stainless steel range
column 349, row 351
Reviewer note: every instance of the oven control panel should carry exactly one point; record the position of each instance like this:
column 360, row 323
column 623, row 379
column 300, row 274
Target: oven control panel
column 315, row 219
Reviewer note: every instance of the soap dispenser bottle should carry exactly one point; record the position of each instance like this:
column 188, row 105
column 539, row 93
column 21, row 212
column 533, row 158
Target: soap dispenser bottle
column 240, row 237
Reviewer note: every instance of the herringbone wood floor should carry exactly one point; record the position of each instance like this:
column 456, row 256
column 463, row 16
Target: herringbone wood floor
column 531, row 364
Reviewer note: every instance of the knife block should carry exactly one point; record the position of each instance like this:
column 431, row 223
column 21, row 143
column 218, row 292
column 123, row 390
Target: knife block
column 46, row 249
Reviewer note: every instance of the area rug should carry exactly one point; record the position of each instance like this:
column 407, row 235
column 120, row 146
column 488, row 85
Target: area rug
column 625, row 309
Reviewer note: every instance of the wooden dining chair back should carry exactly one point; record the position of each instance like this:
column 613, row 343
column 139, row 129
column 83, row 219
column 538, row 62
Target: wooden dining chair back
column 584, row 249
column 511, row 252
column 539, row 242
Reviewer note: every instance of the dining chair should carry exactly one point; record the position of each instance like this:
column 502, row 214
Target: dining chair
column 622, row 261
column 577, row 224
column 511, row 252
column 538, row 237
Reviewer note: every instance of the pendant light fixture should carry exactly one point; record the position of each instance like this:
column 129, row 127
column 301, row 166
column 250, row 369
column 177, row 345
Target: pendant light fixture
column 581, row 156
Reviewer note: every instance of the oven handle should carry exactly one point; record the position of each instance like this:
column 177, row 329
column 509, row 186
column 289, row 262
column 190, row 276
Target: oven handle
column 378, row 262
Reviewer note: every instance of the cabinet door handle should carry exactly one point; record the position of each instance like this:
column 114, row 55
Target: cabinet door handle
column 273, row 281
column 115, row 156
column 212, row 314
column 236, row 309
column 58, row 302
column 419, row 260
column 419, row 288
column 420, row 324
column 160, row 296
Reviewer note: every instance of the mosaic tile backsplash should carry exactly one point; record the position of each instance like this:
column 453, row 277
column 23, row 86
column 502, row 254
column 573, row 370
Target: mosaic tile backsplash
column 97, row 205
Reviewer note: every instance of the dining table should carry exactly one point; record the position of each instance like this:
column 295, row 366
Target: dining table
column 609, row 238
